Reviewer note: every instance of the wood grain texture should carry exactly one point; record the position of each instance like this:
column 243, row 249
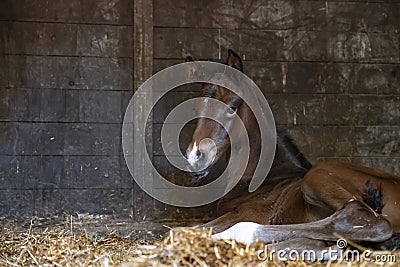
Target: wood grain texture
column 281, row 45
column 69, row 72
column 329, row 69
column 376, row 79
column 60, row 139
column 74, row 11
column 377, row 141
column 94, row 201
column 333, row 16
column 34, row 38
column 143, row 204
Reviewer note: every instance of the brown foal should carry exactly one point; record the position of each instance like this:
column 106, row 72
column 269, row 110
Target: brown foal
column 297, row 201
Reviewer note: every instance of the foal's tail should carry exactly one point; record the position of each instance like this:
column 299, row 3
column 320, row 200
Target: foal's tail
column 373, row 197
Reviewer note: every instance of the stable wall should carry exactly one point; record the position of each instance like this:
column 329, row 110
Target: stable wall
column 330, row 70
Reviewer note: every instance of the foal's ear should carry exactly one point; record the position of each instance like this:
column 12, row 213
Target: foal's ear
column 234, row 60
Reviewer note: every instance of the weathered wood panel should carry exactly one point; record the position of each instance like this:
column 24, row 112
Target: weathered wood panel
column 67, row 39
column 376, row 79
column 11, row 143
column 142, row 70
column 63, row 105
column 278, row 15
column 377, row 141
column 94, row 201
column 70, row 72
column 23, row 203
column 323, row 141
column 94, row 106
column 315, row 78
column 4, row 60
column 66, row 76
column 238, row 14
column 3, row 38
column 300, row 77
column 64, row 172
column 96, row 172
column 376, row 110
column 92, row 139
column 297, row 109
column 75, row 11
column 46, row 198
column 59, row 172
column 60, row 139
column 49, row 172
column 44, row 104
column 291, row 77
column 14, row 104
column 282, row 45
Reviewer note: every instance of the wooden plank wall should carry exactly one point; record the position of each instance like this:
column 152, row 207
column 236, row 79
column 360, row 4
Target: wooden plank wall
column 65, row 79
column 67, row 72
column 330, row 69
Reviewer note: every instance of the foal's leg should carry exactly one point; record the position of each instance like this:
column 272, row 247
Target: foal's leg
column 355, row 221
column 324, row 189
column 224, row 222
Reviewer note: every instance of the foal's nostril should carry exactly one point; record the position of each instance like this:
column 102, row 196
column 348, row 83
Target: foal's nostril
column 198, row 154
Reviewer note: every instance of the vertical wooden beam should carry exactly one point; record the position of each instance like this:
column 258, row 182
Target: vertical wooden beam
column 143, row 40
column 143, row 205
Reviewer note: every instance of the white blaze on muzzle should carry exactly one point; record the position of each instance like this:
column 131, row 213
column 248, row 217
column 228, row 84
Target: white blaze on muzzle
column 208, row 152
column 192, row 155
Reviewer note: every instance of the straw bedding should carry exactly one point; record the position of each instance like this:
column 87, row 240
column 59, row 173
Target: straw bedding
column 68, row 246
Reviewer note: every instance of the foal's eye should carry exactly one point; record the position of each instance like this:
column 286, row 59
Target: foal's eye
column 231, row 110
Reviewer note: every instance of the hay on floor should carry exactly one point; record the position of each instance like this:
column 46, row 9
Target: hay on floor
column 183, row 247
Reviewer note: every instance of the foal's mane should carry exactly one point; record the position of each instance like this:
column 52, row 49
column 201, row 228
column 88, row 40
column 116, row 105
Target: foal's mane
column 287, row 144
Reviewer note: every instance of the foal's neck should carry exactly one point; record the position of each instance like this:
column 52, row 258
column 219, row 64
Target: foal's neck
column 288, row 163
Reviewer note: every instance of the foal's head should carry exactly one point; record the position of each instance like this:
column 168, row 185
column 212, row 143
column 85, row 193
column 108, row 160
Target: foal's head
column 201, row 152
